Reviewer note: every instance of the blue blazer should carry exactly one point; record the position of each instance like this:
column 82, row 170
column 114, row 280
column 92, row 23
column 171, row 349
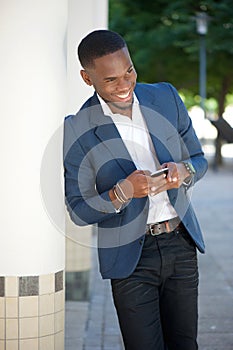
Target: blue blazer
column 95, row 158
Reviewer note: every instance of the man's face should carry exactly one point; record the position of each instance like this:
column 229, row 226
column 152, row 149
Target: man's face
column 114, row 78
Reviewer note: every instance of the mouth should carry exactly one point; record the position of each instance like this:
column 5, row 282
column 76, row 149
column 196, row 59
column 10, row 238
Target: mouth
column 124, row 97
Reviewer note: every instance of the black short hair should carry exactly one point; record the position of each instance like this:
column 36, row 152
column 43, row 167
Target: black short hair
column 97, row 44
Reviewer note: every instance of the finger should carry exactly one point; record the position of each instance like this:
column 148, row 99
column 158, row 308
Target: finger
column 138, row 171
column 157, row 181
column 146, row 172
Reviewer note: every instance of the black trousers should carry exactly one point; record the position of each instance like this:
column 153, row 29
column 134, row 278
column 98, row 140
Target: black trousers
column 157, row 304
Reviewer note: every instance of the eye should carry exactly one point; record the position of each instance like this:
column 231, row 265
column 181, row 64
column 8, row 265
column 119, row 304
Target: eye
column 110, row 80
column 130, row 70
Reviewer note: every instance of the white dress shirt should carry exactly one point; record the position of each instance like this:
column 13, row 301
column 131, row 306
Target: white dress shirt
column 137, row 140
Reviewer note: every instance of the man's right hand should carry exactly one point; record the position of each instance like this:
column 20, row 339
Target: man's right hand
column 140, row 184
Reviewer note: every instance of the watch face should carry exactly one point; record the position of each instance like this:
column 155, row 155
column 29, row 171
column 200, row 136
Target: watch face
column 191, row 168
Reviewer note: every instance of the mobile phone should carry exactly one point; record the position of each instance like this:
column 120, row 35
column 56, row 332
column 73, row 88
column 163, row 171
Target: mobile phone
column 160, row 172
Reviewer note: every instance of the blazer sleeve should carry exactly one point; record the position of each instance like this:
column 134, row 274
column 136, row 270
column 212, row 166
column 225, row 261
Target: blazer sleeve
column 84, row 204
column 192, row 150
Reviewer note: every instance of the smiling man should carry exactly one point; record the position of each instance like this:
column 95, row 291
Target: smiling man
column 147, row 230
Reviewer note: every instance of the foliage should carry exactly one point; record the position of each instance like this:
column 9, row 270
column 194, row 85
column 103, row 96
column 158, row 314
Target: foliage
column 164, row 43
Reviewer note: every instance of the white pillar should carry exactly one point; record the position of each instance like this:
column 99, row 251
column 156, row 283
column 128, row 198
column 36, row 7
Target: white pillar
column 32, row 107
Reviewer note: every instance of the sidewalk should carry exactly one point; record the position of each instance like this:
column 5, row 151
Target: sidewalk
column 93, row 326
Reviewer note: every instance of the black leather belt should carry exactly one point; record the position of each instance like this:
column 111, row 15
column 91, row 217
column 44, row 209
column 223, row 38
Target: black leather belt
column 162, row 227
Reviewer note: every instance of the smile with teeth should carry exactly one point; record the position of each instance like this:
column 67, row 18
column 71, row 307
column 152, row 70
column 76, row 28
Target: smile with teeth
column 123, row 96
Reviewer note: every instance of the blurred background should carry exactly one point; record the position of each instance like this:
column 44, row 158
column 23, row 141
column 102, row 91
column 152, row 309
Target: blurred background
column 189, row 44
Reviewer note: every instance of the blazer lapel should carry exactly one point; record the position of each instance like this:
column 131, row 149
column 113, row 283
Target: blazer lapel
column 106, row 131
column 159, row 127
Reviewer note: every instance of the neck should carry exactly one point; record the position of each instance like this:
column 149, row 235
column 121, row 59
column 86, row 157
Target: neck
column 121, row 108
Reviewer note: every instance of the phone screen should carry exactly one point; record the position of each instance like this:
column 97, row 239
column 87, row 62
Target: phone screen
column 160, row 172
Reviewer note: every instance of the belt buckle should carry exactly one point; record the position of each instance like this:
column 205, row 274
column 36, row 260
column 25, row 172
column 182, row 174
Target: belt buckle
column 164, row 226
column 152, row 231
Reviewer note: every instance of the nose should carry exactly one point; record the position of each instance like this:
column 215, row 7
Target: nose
column 123, row 85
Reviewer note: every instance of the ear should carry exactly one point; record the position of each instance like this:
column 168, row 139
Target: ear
column 86, row 77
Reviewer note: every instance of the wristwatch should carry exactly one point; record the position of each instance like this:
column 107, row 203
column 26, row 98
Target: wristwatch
column 190, row 168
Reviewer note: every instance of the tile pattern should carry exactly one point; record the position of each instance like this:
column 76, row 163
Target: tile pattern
column 28, row 285
column 32, row 312
column 11, row 286
column 58, row 281
column 2, row 286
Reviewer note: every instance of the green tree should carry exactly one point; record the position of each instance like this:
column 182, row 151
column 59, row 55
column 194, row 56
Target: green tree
column 164, row 44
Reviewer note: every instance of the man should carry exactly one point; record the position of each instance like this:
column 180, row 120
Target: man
column 147, row 230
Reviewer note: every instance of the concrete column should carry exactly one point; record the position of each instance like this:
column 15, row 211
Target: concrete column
column 33, row 105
